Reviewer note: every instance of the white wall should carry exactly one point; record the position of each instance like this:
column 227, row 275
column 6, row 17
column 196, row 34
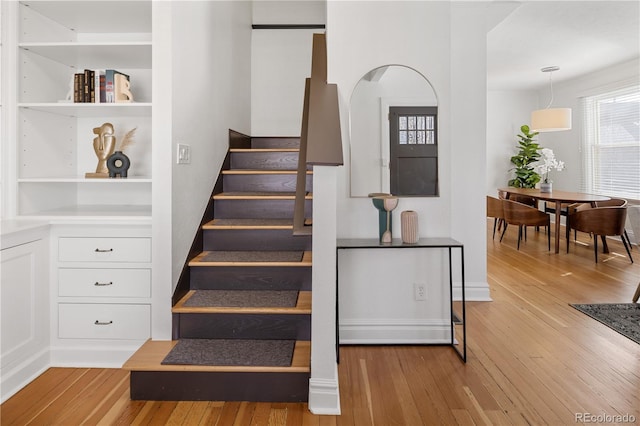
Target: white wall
column 280, row 63
column 507, row 111
column 202, row 52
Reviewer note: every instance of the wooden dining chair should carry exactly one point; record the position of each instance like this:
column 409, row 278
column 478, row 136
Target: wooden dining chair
column 616, row 202
column 494, row 210
column 523, row 215
column 603, row 222
column 636, row 296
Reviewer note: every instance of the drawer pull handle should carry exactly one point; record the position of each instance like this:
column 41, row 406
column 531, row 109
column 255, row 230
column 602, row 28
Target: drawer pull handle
column 103, row 250
column 97, row 284
column 103, row 322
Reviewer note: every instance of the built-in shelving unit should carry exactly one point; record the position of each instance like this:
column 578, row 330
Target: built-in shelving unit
column 54, row 136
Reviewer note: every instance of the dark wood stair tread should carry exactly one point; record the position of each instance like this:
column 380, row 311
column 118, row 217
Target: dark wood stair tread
column 252, row 224
column 150, row 355
column 262, row 172
column 264, row 150
column 303, row 306
column 259, row 196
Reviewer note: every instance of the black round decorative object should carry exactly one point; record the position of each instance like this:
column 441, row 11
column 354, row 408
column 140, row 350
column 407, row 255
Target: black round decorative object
column 118, row 164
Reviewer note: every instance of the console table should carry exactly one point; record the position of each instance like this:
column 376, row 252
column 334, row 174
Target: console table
column 457, row 318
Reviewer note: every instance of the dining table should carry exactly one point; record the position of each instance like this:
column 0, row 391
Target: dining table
column 558, row 197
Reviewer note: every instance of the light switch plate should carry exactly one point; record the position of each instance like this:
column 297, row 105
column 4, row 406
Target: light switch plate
column 184, row 154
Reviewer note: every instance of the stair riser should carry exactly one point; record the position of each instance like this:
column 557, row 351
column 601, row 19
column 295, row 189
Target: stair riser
column 274, row 142
column 210, row 386
column 264, row 160
column 264, row 183
column 257, row 209
column 250, row 278
column 254, row 239
column 242, row 326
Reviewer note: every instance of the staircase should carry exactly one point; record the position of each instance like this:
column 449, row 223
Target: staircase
column 249, row 290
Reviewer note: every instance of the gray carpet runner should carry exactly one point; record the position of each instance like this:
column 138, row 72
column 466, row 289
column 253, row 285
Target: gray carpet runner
column 231, row 352
column 253, row 256
column 621, row 317
column 243, row 298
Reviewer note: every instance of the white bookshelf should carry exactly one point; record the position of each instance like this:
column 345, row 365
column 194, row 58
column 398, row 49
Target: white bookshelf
column 54, row 137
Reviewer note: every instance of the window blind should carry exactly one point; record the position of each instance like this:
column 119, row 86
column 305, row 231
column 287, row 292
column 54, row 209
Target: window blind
column 611, row 143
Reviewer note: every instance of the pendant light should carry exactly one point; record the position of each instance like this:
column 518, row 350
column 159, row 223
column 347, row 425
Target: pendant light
column 551, row 119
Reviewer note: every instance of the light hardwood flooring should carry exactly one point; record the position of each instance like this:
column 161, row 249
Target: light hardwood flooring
column 533, row 360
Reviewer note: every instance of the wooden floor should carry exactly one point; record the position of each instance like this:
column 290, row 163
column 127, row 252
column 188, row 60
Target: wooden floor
column 533, row 360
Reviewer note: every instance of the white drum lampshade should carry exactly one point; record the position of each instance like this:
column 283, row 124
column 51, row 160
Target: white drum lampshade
column 551, row 120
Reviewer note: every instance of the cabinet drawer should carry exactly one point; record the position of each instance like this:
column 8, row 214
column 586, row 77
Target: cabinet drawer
column 104, row 321
column 104, row 249
column 104, row 282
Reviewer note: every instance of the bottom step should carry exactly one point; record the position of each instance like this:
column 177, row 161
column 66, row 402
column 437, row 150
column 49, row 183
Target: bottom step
column 151, row 380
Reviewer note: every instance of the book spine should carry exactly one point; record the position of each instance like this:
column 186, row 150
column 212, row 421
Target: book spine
column 79, row 88
column 102, row 87
column 92, row 86
column 110, row 94
column 87, row 86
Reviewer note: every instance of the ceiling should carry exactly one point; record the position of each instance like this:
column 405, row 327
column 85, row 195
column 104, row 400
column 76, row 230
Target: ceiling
column 578, row 36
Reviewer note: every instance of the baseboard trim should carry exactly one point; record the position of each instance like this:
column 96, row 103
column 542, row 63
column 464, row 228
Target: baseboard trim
column 324, row 396
column 22, row 374
column 393, row 331
column 474, row 292
column 94, row 357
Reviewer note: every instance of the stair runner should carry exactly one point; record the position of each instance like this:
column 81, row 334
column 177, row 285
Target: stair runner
column 243, row 330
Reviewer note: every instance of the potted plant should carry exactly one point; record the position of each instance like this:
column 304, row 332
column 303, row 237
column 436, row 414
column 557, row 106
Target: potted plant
column 545, row 165
column 526, row 175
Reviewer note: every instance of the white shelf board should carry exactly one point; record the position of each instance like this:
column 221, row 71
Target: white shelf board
column 95, row 55
column 97, row 16
column 71, row 109
column 81, row 179
column 109, row 212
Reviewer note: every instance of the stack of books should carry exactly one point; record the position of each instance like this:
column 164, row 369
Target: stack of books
column 97, row 86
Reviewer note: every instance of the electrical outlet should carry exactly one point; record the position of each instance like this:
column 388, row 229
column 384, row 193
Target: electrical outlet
column 420, row 291
column 184, row 154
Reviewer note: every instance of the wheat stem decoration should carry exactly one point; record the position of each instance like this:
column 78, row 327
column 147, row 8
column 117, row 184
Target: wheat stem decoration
column 127, row 139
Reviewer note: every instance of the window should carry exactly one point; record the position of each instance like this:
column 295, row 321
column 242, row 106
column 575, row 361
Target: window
column 611, row 143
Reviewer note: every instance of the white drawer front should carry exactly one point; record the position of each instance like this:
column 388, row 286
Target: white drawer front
column 104, row 321
column 104, row 282
column 104, row 249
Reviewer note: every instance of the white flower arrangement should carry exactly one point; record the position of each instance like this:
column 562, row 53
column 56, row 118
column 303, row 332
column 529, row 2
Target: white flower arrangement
column 548, row 162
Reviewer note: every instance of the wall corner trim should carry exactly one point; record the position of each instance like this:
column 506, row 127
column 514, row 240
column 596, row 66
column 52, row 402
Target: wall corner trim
column 324, row 396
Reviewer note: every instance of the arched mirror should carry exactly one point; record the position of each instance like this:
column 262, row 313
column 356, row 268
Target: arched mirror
column 394, row 134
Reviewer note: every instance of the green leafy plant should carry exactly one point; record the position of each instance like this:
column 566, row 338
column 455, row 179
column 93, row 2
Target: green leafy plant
column 525, row 174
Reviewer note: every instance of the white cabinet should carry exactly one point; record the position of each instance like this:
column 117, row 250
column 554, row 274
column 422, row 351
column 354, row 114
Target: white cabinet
column 101, row 291
column 55, row 40
column 24, row 300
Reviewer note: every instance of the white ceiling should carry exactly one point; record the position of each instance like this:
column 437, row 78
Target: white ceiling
column 578, row 36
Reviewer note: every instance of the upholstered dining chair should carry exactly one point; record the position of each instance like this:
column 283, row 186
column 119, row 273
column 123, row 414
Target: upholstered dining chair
column 523, row 215
column 601, row 221
column 494, row 210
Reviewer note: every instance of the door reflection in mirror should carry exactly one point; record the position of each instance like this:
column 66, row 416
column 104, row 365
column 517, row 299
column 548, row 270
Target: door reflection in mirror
column 370, row 148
